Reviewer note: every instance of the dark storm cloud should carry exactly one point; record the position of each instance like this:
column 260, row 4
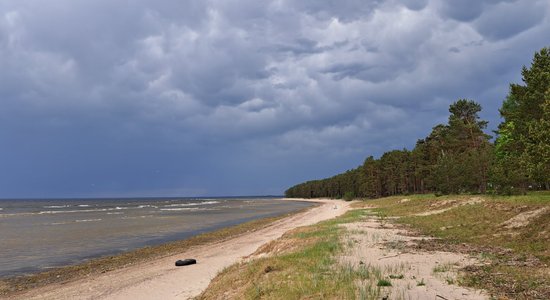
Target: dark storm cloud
column 465, row 10
column 415, row 4
column 346, row 11
column 241, row 96
column 506, row 20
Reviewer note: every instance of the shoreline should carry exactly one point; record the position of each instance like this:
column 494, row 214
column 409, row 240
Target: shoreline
column 42, row 235
column 44, row 282
column 158, row 242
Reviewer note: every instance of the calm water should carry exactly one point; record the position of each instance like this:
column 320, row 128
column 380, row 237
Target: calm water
column 40, row 234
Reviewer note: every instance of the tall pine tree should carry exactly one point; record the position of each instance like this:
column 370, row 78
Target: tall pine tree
column 521, row 158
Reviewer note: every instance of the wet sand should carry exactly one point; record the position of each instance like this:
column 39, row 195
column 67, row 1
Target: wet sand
column 160, row 279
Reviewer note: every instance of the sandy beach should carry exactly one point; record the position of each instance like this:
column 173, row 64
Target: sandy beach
column 160, row 279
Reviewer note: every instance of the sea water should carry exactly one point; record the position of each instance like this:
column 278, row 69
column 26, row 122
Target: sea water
column 38, row 234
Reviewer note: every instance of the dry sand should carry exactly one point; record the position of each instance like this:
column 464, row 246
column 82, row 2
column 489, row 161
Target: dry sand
column 376, row 245
column 160, row 279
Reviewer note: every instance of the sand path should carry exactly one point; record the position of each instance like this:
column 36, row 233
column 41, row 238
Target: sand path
column 160, row 279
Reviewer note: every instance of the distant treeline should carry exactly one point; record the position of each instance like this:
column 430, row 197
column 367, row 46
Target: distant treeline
column 458, row 157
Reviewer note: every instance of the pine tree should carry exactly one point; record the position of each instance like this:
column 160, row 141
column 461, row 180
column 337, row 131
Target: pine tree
column 520, row 155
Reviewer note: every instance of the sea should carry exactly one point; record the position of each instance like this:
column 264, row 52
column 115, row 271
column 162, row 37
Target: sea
column 39, row 234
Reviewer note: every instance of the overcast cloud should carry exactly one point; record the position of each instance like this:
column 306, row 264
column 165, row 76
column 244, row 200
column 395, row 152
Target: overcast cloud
column 233, row 97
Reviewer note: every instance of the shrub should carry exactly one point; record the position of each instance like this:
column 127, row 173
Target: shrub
column 348, row 196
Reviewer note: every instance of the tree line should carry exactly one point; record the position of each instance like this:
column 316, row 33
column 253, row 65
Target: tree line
column 459, row 157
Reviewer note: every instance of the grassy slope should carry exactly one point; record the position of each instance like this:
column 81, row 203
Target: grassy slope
column 517, row 258
column 302, row 264
column 303, row 268
column 479, row 223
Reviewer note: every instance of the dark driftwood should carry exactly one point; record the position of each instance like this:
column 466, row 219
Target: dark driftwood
column 186, row 262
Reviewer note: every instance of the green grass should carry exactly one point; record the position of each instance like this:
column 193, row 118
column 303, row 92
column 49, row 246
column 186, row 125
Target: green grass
column 532, row 198
column 479, row 224
column 515, row 274
column 383, row 282
column 395, row 206
column 307, row 272
column 470, row 223
column 442, row 268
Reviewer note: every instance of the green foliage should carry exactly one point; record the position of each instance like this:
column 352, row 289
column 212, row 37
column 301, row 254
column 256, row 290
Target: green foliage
column 383, row 282
column 458, row 157
column 454, row 158
column 308, row 270
column 442, row 268
column 537, row 148
column 522, row 150
column 348, row 196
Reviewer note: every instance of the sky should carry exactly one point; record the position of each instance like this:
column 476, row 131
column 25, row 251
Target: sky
column 192, row 98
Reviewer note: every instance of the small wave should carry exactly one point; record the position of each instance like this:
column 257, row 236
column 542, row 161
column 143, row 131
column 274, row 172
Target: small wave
column 209, row 202
column 87, row 220
column 136, row 217
column 70, row 211
column 192, row 204
column 145, row 206
column 183, row 208
column 123, row 207
column 115, row 213
column 83, row 205
column 1, row 208
column 56, row 206
column 59, row 223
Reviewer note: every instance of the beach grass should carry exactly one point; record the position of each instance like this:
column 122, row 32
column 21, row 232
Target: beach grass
column 478, row 223
column 303, row 266
column 17, row 284
column 505, row 232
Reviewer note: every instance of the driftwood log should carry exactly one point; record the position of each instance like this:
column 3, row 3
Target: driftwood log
column 185, row 262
